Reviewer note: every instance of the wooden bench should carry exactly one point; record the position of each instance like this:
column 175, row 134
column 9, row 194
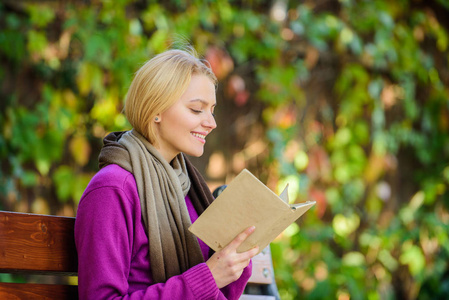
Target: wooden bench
column 38, row 244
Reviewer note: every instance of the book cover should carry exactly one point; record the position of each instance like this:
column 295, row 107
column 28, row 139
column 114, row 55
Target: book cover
column 247, row 202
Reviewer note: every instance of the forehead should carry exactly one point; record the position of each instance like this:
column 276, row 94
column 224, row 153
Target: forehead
column 200, row 90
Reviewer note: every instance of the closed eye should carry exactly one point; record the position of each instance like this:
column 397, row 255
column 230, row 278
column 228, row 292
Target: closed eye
column 196, row 111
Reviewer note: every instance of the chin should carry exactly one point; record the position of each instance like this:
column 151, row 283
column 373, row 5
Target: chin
column 198, row 153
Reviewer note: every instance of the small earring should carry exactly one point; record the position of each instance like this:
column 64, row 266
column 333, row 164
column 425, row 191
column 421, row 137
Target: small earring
column 156, row 119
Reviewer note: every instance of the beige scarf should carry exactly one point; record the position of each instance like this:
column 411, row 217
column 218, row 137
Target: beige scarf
column 162, row 189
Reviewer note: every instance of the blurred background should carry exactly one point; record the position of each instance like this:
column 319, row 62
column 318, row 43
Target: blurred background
column 345, row 100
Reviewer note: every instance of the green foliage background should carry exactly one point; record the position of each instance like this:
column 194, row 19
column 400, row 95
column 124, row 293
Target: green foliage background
column 346, row 100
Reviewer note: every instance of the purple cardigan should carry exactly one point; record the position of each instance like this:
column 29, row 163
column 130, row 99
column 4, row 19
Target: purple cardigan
column 113, row 248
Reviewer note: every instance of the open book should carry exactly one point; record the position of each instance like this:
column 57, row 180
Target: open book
column 247, row 202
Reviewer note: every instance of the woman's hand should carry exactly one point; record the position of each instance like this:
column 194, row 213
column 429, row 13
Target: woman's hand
column 227, row 265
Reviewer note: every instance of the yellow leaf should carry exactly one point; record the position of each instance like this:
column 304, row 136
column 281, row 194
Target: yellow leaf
column 40, row 206
column 80, row 149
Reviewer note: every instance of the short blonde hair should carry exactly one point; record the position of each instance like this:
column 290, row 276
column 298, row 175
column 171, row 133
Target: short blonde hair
column 158, row 84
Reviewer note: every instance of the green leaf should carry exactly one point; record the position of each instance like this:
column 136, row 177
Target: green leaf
column 64, row 179
column 344, row 226
column 99, row 50
column 413, row 257
column 37, row 41
column 41, row 15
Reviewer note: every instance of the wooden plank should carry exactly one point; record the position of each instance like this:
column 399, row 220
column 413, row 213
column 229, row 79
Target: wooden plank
column 37, row 243
column 37, row 291
column 262, row 268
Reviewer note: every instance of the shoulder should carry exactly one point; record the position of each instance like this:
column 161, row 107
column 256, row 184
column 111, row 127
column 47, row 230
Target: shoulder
column 112, row 178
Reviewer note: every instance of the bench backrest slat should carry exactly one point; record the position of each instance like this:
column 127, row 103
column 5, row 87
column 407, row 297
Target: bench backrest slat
column 38, row 291
column 37, row 243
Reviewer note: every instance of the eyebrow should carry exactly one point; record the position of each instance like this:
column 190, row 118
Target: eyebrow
column 202, row 101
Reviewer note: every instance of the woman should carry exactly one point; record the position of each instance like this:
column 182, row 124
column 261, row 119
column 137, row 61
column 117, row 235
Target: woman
column 131, row 229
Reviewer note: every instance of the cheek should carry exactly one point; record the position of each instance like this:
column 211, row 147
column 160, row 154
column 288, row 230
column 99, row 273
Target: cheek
column 177, row 126
column 187, row 122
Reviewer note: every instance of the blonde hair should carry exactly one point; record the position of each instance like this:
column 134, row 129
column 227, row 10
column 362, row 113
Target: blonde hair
column 158, row 84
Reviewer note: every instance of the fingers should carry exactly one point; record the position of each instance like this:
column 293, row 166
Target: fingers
column 227, row 265
column 239, row 239
column 245, row 257
column 252, row 252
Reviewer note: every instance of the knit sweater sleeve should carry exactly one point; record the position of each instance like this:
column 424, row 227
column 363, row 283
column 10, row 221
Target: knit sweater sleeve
column 105, row 234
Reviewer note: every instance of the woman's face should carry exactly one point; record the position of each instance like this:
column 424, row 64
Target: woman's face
column 184, row 126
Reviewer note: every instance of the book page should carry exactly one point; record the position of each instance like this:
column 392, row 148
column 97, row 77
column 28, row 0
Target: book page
column 284, row 195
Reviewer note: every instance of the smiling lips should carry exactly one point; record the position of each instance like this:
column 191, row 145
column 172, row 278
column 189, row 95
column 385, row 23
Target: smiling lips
column 199, row 136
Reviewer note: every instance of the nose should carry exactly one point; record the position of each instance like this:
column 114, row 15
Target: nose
column 209, row 122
